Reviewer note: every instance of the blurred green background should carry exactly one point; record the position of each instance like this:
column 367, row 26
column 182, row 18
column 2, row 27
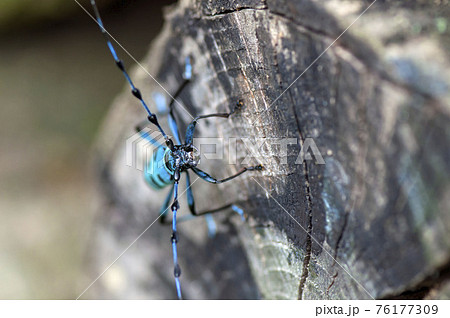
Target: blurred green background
column 56, row 82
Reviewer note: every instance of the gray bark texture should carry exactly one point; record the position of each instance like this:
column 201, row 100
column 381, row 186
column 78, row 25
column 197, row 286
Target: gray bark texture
column 373, row 221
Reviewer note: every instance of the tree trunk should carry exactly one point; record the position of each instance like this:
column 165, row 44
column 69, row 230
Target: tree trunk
column 370, row 221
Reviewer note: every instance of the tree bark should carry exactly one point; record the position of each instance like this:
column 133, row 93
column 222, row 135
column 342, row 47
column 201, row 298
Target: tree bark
column 371, row 222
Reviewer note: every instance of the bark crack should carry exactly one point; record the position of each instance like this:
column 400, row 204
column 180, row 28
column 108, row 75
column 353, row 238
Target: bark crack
column 332, row 283
column 307, row 259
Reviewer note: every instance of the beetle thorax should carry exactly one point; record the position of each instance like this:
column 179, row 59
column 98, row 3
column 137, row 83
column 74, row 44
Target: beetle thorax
column 183, row 158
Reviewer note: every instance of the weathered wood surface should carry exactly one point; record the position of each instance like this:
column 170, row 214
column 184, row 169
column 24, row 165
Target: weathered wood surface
column 376, row 104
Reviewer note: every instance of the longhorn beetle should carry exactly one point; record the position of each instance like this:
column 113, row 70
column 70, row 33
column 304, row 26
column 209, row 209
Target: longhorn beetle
column 175, row 158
